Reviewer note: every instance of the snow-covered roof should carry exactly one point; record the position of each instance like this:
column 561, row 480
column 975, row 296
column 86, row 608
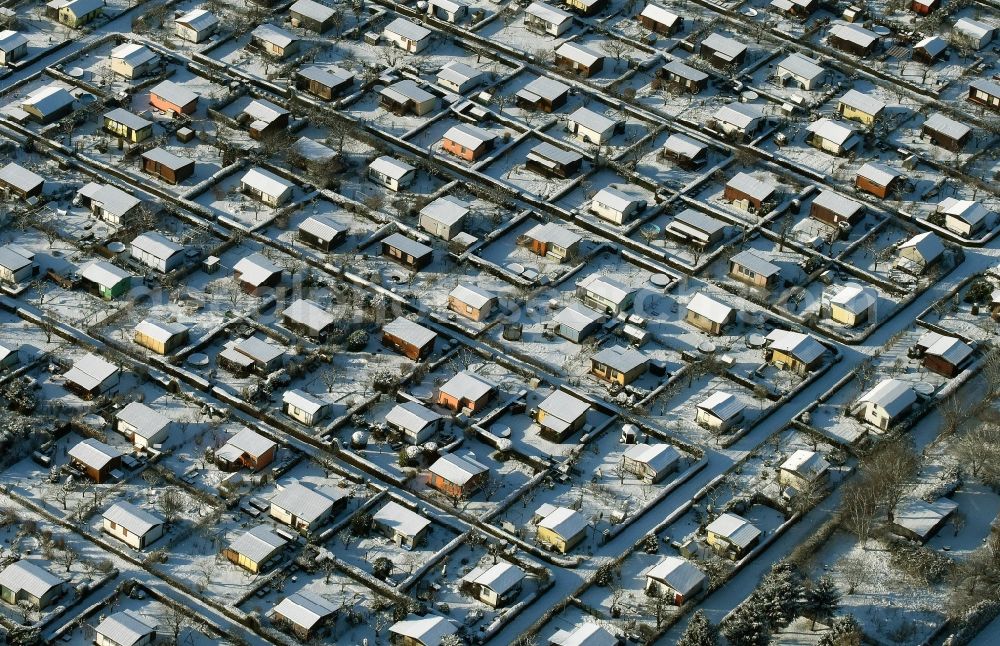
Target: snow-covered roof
column 323, row 227
column 451, row 6
column 409, row 331
column 30, row 577
column 864, row 102
column 877, row 173
column 266, row 182
column 709, row 308
column 391, row 167
column 407, row 90
column 547, row 151
column 659, row 14
column 313, row 10
column 469, row 136
column 19, row 177
column 458, row 73
column 429, row 630
column 920, row 516
column 621, row 358
column 273, row 34
column 83, row 7
column 255, row 269
column 854, row 34
column 258, row 543
column 933, row 45
column 500, row 577
column 400, row 519
column 928, row 245
column 724, row 47
column 972, row 212
column 89, row 372
column 838, row 204
column 111, row 198
column 986, row 85
column 135, row 520
column 472, row 295
column 175, row 93
column 305, row 608
column 457, row 469
column 685, row 71
column 615, row 199
column 658, row 457
column 837, row 132
column 605, row 287
column 564, row 406
column 591, row 120
column 751, row 186
column 447, row 210
column 303, row 401
column 11, row 40
column 263, row 110
column 146, row 421
column 157, row 245
column 466, row 385
column 740, row 115
column 555, row 233
column 548, row 13
column 855, row 299
column 806, row 464
column 696, row 223
column 258, row 349
column 946, row 126
column 199, row 19
column 723, row 405
column 167, row 159
column 683, row 145
column 125, row 628
column 133, row 54
column 411, row 416
column 578, row 53
column 952, row 350
column 577, row 317
column 543, row 87
column 678, row 573
column 49, row 99
column 408, row 30
column 586, row 634
column 975, row 29
column 801, row 346
column 251, row 443
column 11, row 260
column 801, row 66
column 306, row 502
column 408, row 246
column 737, row 530
column 308, row 313
column 564, row 522
column 893, row 395
column 756, row 264
column 332, row 76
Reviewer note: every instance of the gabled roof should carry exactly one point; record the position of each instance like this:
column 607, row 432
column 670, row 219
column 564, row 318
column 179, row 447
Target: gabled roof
column 305, row 609
column 807, row 464
column 680, row 574
column 469, row 136
column 592, row 120
column 447, row 210
column 838, row 132
column 332, row 76
column 411, row 416
column 11, row 260
column 548, row 13
column 564, row 406
column 266, row 182
column 972, row 212
column 740, row 115
column 710, row 308
column 305, row 501
column 577, row 317
column 303, row 401
column 683, row 145
column 736, row 529
column 458, row 72
column 409, row 331
column 556, row 154
column 893, row 395
column 273, row 34
column 615, row 199
column 157, row 245
column 94, row 453
column 89, row 372
column 658, row 457
column 391, row 167
column 408, row 30
column 323, row 227
column 308, row 313
column 621, row 358
column 407, row 90
column 605, row 287
column 723, row 405
column 933, row 45
column 111, row 198
column 855, row 299
column 500, row 577
column 578, row 53
column 407, row 245
column 400, row 519
column 864, row 102
column 466, row 385
column 251, row 443
column 147, row 422
column 802, row 66
column 29, row 576
column 659, row 14
column 878, row 173
column 855, row 34
column 952, row 350
column 841, row 206
column 135, row 520
column 429, row 630
column 928, row 245
column 564, row 522
column 723, row 46
column 263, row 110
column 801, row 346
column 472, row 295
column 258, row 543
column 81, row 8
column 976, row 29
column 49, row 99
column 255, row 269
column 946, row 126
column 174, row 93
column 11, row 40
column 586, row 634
column 198, row 19
column 20, row 177
column 125, row 628
column 750, row 185
column 133, row 54
column 457, row 469
column 555, row 233
column 312, row 9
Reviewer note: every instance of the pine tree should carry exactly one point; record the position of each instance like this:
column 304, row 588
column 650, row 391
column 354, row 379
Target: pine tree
column 780, row 594
column 845, row 631
column 699, row 631
column 822, row 600
column 745, row 627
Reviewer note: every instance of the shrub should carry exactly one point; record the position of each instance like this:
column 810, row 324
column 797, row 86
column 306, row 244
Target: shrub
column 357, row 340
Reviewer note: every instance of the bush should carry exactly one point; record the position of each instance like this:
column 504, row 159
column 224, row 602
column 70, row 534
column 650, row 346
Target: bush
column 921, row 563
column 361, row 524
column 357, row 341
column 980, row 291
